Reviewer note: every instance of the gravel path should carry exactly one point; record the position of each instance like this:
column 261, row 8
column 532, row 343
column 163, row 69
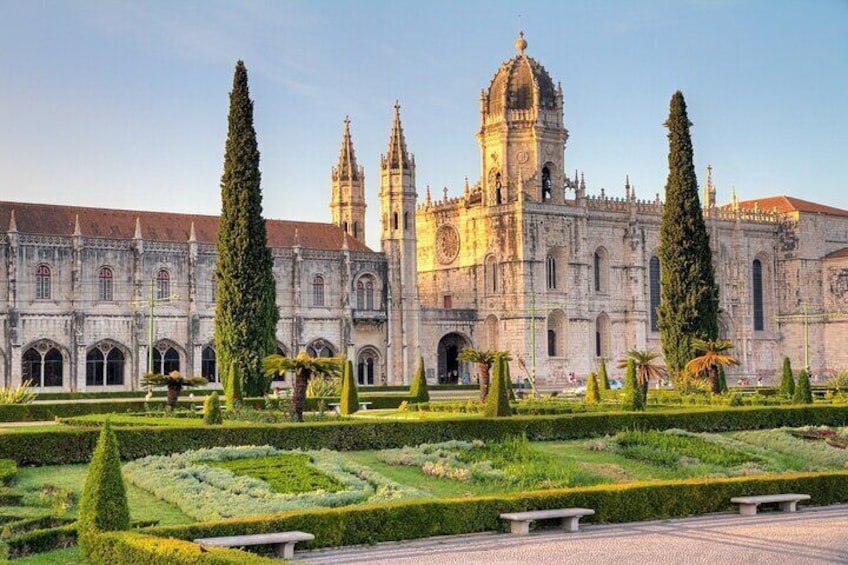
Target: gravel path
column 811, row 536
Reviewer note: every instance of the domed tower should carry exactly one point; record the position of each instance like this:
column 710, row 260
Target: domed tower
column 522, row 137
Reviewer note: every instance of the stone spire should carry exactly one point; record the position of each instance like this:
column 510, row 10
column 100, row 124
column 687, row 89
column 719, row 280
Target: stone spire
column 709, row 190
column 397, row 155
column 347, row 168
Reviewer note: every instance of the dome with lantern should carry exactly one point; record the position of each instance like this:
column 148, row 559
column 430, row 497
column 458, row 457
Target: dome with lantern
column 521, row 83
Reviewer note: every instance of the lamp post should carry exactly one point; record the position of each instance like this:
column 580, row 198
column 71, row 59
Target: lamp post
column 805, row 316
column 151, row 304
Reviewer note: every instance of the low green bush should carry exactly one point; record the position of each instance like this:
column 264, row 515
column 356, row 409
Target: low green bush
column 62, row 446
column 130, row 548
column 9, row 497
column 288, row 473
column 662, row 448
column 41, row 541
column 212, row 415
column 8, row 471
column 612, row 503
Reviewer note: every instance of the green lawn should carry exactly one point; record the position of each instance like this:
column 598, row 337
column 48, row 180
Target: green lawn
column 70, row 556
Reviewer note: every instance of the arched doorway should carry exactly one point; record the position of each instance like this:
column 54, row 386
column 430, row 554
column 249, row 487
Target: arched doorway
column 450, row 368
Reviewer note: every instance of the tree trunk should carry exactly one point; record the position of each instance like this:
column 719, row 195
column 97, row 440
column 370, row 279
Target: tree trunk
column 643, row 386
column 716, row 385
column 301, row 379
column 173, row 395
column 484, row 381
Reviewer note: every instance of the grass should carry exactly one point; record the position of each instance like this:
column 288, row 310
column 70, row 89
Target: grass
column 285, row 473
column 70, row 556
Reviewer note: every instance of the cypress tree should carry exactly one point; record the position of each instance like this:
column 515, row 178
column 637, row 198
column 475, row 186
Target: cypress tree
column 593, row 395
column 245, row 303
column 803, row 392
column 232, row 387
column 603, row 380
column 418, row 390
column 633, row 399
column 103, row 506
column 350, row 396
column 787, row 383
column 688, row 293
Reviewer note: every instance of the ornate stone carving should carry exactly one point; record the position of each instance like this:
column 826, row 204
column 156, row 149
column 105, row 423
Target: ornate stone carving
column 447, row 244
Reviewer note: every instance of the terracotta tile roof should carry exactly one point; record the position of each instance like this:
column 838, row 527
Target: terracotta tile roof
column 49, row 219
column 786, row 204
column 839, row 254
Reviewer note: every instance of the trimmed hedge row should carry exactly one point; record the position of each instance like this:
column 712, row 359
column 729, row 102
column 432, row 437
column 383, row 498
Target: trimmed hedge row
column 129, row 548
column 75, row 445
column 612, row 503
column 41, row 541
column 44, row 412
column 8, row 472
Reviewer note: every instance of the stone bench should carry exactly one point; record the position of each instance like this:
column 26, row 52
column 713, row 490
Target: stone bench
column 520, row 521
column 283, row 542
column 336, row 407
column 748, row 504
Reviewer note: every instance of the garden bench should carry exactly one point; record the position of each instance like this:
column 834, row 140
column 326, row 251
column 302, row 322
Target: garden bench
column 283, row 542
column 336, row 406
column 748, row 504
column 520, row 521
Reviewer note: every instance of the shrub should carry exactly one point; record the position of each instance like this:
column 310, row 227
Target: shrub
column 418, row 389
column 22, row 394
column 787, row 382
column 722, row 379
column 8, row 471
column 324, row 387
column 803, row 393
column 603, row 380
column 130, row 548
column 103, row 506
column 497, row 401
column 350, row 398
column 232, row 388
column 593, row 395
column 632, row 398
column 212, row 410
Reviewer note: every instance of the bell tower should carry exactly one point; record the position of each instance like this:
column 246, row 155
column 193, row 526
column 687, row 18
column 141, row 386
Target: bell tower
column 398, row 200
column 348, row 195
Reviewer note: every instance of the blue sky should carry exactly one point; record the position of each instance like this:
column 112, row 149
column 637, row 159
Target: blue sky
column 124, row 104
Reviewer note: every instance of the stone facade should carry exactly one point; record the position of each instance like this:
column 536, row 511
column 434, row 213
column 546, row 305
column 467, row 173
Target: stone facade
column 525, row 260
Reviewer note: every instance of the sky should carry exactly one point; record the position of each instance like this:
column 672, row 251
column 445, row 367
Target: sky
column 124, row 104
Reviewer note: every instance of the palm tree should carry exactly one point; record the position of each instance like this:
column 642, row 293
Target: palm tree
column 713, row 355
column 484, row 359
column 175, row 383
column 646, row 369
column 303, row 367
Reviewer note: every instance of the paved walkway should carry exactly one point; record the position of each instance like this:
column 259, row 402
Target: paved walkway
column 811, row 536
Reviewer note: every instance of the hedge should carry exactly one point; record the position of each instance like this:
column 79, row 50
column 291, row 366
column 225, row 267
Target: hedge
column 43, row 412
column 130, row 548
column 612, row 503
column 8, row 472
column 41, row 541
column 75, row 445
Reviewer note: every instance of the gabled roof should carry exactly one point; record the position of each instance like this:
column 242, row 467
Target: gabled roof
column 786, row 204
column 838, row 254
column 49, row 219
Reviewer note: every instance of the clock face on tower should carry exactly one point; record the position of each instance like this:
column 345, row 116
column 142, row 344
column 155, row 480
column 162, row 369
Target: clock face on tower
column 447, row 244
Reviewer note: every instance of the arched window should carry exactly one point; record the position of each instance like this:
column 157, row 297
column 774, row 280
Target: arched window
column 318, row 290
column 42, row 282
column 492, row 333
column 601, row 270
column 369, row 294
column 405, row 221
column 654, row 284
column 491, row 274
column 163, row 284
column 360, row 295
column 319, row 348
column 556, row 334
column 498, row 189
column 602, row 336
column 104, row 365
column 366, row 367
column 757, row 289
column 166, row 359
column 42, row 365
column 208, row 365
column 394, row 220
column 550, row 273
column 546, row 184
column 105, row 284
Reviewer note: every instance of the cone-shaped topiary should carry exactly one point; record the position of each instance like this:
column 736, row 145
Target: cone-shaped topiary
column 722, row 379
column 603, row 380
column 212, row 410
column 497, row 401
column 418, row 389
column 787, row 382
column 350, row 396
column 232, row 388
column 632, row 399
column 103, row 506
column 593, row 395
column 510, row 387
column 803, row 392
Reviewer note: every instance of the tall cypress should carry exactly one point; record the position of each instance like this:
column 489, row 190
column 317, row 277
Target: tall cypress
column 245, row 305
column 689, row 296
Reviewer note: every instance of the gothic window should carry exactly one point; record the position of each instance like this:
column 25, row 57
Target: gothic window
column 546, row 184
column 492, row 337
column 654, row 283
column 318, row 290
column 42, row 365
column 556, row 333
column 491, row 275
column 319, row 348
column 208, row 365
column 366, row 366
column 105, row 284
column 405, row 221
column 601, row 270
column 394, row 220
column 104, row 365
column 163, row 284
column 369, row 294
column 759, row 324
column 166, row 359
column 365, row 293
column 498, row 189
column 602, row 337
column 550, row 273
column 42, row 282
column 552, row 349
